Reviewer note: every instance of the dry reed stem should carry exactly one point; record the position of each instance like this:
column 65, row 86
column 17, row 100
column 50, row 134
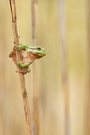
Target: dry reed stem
column 36, row 115
column 22, row 79
column 64, row 67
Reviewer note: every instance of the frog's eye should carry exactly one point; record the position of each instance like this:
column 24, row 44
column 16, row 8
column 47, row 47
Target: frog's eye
column 39, row 48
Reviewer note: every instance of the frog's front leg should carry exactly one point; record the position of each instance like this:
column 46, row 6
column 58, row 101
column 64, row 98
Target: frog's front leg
column 21, row 47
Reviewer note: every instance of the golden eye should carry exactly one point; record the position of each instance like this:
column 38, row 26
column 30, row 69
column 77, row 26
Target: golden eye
column 39, row 48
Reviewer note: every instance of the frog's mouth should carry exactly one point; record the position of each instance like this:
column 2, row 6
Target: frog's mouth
column 40, row 54
column 35, row 55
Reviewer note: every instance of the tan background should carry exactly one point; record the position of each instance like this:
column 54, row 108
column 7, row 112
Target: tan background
column 48, row 69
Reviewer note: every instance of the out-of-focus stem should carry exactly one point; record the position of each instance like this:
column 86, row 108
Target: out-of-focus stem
column 87, row 98
column 34, row 7
column 36, row 115
column 64, row 66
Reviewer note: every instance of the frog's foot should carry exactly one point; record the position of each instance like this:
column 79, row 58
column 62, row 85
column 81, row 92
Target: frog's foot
column 23, row 71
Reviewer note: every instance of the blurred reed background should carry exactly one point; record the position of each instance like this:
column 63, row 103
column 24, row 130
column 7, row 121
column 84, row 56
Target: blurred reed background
column 47, row 70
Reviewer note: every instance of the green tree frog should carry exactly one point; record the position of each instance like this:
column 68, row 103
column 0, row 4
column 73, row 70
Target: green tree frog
column 28, row 55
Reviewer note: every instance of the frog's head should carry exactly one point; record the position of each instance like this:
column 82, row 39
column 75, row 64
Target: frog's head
column 36, row 51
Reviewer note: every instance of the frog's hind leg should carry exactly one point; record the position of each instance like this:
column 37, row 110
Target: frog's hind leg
column 23, row 65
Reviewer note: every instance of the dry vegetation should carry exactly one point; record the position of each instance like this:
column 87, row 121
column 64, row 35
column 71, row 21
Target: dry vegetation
column 47, row 70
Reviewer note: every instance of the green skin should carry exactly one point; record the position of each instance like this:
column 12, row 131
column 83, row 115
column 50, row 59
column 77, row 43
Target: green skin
column 38, row 51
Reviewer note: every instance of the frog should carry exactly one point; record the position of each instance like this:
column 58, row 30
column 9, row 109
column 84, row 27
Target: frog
column 28, row 53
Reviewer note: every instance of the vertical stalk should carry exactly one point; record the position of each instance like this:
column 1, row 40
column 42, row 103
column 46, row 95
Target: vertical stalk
column 64, row 67
column 87, row 98
column 34, row 7
column 22, row 78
